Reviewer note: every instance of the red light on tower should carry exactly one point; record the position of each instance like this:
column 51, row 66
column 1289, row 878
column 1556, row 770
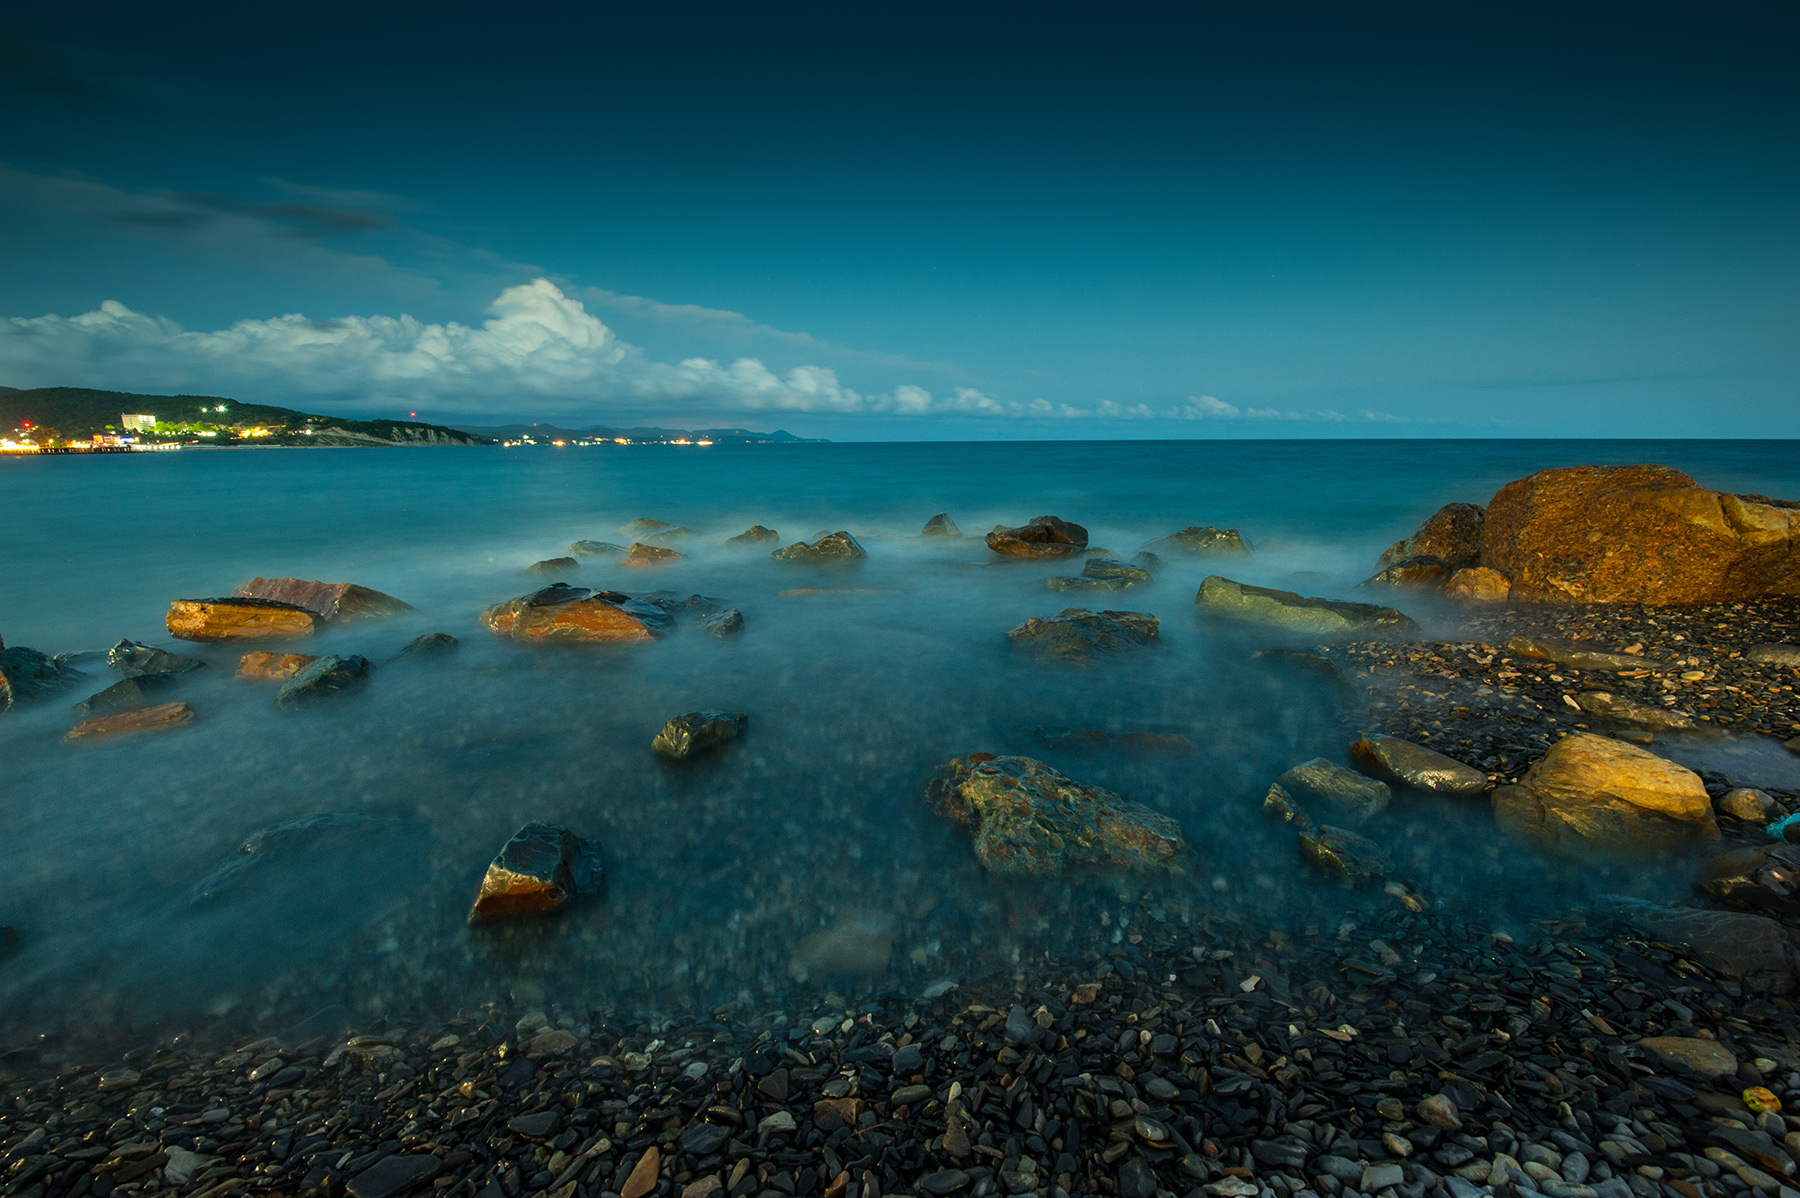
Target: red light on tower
column 24, row 424
column 412, row 413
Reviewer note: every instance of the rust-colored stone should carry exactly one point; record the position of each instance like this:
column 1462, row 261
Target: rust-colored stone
column 1452, row 535
column 1591, row 793
column 566, row 614
column 1045, row 536
column 327, row 600
column 262, row 666
column 238, row 619
column 540, row 869
column 130, row 723
column 1478, row 584
column 641, row 554
column 1637, row 534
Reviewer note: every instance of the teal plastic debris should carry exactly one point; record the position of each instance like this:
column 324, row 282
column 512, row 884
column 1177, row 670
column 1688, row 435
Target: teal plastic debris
column 1778, row 829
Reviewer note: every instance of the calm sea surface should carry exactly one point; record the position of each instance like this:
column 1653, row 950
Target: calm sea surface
column 801, row 858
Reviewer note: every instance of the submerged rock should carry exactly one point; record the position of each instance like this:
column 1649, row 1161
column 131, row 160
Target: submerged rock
column 828, row 548
column 857, row 945
column 1755, row 878
column 238, row 619
column 131, row 659
column 137, row 691
column 1637, row 534
column 1593, row 793
column 541, row 868
column 1412, row 574
column 330, row 601
column 1107, row 586
column 643, row 527
column 1279, row 804
column 1403, row 763
column 1754, row 947
column 1106, row 567
column 1284, row 609
column 564, row 614
column 554, row 565
column 1031, row 819
column 1619, row 709
column 290, row 835
column 1201, row 541
column 263, row 666
column 699, row 732
column 595, row 549
column 756, row 534
column 1576, row 654
column 131, row 723
column 1045, row 536
column 1342, row 853
column 1776, row 655
column 325, row 678
column 1076, row 634
column 1477, row 584
column 1328, row 782
column 722, row 624
column 1138, row 744
column 941, row 525
column 641, row 554
column 432, row 644
column 1143, row 559
column 1451, row 535
column 27, row 676
column 1744, row 803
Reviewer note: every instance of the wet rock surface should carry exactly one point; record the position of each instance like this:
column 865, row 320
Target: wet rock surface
column 1295, row 613
column 1477, row 584
column 1077, row 635
column 554, row 565
column 1762, row 878
column 1044, row 537
column 1451, row 535
column 160, row 718
column 596, row 549
column 1592, row 793
column 829, row 549
column 725, row 623
column 941, row 525
column 1028, row 818
column 431, row 644
column 1325, row 781
column 562, row 614
column 141, row 690
column 641, row 554
column 644, row 527
column 1200, row 541
column 699, row 732
column 131, row 658
column 756, row 534
column 236, row 619
column 27, row 676
column 326, row 678
column 330, row 601
column 260, row 665
column 540, row 869
column 290, row 836
column 1412, row 573
column 1402, row 763
column 1341, row 853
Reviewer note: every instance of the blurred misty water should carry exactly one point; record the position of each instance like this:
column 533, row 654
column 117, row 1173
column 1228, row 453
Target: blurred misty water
column 788, row 862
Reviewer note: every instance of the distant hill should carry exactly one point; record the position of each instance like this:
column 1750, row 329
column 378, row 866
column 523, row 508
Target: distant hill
column 553, row 432
column 77, row 413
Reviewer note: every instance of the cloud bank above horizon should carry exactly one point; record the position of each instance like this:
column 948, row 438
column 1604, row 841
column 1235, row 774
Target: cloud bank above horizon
column 540, row 353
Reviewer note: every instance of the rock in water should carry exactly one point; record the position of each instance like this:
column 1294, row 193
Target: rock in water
column 1279, row 804
column 541, row 868
column 1776, row 655
column 1452, row 535
column 1637, row 534
column 1045, row 536
column 1285, row 609
column 857, row 945
column 699, row 732
column 1076, row 634
column 1104, row 585
column 643, row 528
column 595, row 549
column 130, row 723
column 1619, row 709
column 1201, row 541
column 267, row 843
column 1747, row 804
column 262, row 666
column 322, row 679
column 432, row 644
column 1593, row 793
column 1754, row 947
column 641, row 554
column 136, row 691
column 756, row 534
column 1030, row 819
column 27, row 675
column 833, row 547
column 1412, row 574
column 238, row 620
column 554, row 565
column 1328, row 782
column 941, row 525
column 1342, row 854
column 564, row 614
column 1754, row 878
column 132, row 659
column 1706, row 1059
column 330, row 601
column 1577, row 654
column 1403, row 763
column 1477, row 584
column 722, row 624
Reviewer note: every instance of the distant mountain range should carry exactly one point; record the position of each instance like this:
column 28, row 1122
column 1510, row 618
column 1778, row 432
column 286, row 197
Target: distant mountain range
column 76, row 414
column 552, row 432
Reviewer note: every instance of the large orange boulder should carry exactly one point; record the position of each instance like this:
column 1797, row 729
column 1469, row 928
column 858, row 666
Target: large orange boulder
column 1638, row 534
column 237, row 619
column 327, row 600
column 575, row 615
column 1592, row 794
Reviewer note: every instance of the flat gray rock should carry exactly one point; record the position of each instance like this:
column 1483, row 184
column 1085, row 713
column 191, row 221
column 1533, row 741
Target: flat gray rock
column 1403, row 763
column 391, row 1175
column 1328, row 782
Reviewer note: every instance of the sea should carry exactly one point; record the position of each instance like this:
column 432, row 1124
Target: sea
column 800, row 861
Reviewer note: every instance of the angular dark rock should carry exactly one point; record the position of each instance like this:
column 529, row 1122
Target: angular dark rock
column 640, row 555
column 1412, row 574
column 703, row 1139
column 131, row 659
column 941, row 525
column 1101, row 585
column 756, row 534
column 644, row 527
column 829, row 549
column 27, row 676
column 540, row 869
column 1103, row 567
column 722, row 624
column 595, row 549
column 330, row 601
column 1076, row 634
column 1279, row 804
column 394, row 1174
column 554, row 565
column 1452, row 535
column 1753, row 947
column 1754, row 878
column 1201, row 541
column 1045, row 536
column 1403, row 763
column 535, row 1126
column 432, row 644
column 564, row 614
column 1327, row 782
column 1576, row 654
column 1287, row 610
column 325, row 678
column 1343, row 853
column 137, row 691
column 699, row 732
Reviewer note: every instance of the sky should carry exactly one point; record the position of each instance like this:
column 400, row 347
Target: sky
column 917, row 221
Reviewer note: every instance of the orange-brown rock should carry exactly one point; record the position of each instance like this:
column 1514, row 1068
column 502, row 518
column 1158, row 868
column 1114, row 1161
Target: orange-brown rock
column 1591, row 793
column 1477, row 584
column 237, row 619
column 1452, row 535
column 1638, row 534
column 130, row 723
column 575, row 615
column 327, row 600
column 540, row 869
column 1045, row 536
column 641, row 554
column 261, row 666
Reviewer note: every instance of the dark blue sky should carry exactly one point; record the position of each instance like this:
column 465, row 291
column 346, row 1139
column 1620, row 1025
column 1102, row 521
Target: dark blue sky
column 917, row 220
